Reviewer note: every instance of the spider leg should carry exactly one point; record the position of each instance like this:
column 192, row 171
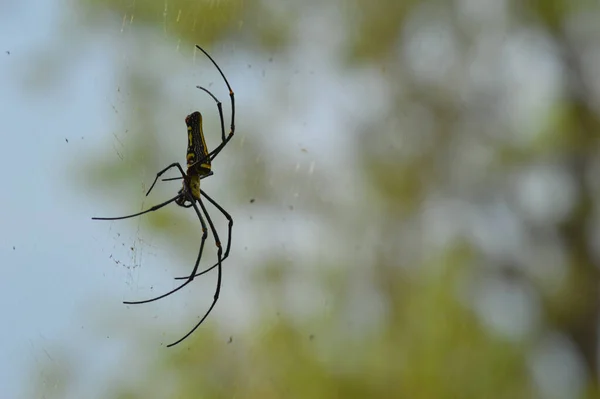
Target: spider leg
column 154, row 208
column 192, row 275
column 224, row 139
column 219, row 107
column 172, row 178
column 180, row 177
column 206, row 314
column 159, row 297
column 159, row 174
column 218, row 289
column 230, row 226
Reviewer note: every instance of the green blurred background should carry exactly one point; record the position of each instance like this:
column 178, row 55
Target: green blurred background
column 413, row 184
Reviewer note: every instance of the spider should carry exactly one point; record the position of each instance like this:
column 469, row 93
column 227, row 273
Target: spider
column 190, row 195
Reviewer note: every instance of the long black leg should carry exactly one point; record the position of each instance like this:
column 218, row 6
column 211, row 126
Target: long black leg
column 154, row 208
column 212, row 229
column 219, row 107
column 216, row 151
column 227, row 216
column 218, row 289
column 159, row 174
column 192, row 275
column 217, row 292
column 229, row 229
column 179, row 177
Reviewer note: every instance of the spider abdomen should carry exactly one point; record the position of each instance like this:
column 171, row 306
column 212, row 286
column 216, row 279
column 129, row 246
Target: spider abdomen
column 198, row 160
